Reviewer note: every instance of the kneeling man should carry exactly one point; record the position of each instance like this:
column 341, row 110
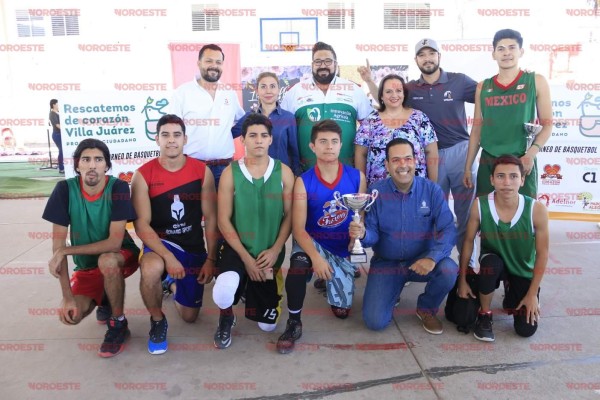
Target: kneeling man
column 411, row 230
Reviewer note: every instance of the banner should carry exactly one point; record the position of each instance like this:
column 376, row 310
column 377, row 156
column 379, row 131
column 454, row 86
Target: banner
column 569, row 164
column 125, row 122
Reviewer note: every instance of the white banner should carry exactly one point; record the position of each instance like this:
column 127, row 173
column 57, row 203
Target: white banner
column 569, row 165
column 125, row 121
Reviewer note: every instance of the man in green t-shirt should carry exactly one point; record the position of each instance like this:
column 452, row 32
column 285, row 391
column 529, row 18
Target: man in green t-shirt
column 95, row 208
column 514, row 247
column 254, row 216
column 503, row 104
column 323, row 96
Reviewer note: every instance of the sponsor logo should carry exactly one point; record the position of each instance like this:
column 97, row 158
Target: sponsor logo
column 590, row 177
column 314, row 114
column 153, row 110
column 551, row 175
column 333, row 214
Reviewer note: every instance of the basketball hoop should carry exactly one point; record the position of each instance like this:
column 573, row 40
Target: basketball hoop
column 289, row 47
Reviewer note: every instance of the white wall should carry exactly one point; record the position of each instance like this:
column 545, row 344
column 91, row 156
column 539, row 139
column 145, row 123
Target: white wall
column 149, row 59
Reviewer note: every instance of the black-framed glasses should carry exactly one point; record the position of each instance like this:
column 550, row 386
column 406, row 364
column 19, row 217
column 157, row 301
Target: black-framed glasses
column 327, row 62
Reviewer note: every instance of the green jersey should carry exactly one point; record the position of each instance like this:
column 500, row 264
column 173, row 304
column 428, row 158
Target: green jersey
column 504, row 110
column 513, row 241
column 88, row 217
column 258, row 207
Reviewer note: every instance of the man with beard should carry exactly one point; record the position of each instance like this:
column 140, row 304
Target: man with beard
column 441, row 96
column 96, row 208
column 326, row 96
column 208, row 112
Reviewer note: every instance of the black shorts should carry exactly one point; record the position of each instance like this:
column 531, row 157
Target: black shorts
column 263, row 299
column 515, row 290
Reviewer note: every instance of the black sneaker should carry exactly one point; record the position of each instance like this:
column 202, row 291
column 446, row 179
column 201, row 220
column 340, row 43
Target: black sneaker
column 223, row 334
column 103, row 311
column 115, row 338
column 483, row 327
column 157, row 343
column 293, row 332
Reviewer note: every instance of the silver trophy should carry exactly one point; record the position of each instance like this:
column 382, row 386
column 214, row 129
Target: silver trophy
column 532, row 131
column 357, row 202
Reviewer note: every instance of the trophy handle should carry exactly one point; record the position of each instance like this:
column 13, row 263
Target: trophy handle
column 374, row 194
column 338, row 198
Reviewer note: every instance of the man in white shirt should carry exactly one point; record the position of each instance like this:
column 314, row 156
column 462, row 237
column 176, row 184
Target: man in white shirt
column 209, row 112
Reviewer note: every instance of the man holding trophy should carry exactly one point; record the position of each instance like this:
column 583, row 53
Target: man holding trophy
column 412, row 232
column 506, row 108
column 320, row 228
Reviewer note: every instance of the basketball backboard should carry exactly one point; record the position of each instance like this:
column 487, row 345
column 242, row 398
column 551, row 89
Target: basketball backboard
column 286, row 34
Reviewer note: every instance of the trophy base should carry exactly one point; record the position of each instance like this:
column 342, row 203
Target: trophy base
column 358, row 258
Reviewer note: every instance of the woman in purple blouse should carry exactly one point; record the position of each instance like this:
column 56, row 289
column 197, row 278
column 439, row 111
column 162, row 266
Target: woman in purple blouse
column 395, row 120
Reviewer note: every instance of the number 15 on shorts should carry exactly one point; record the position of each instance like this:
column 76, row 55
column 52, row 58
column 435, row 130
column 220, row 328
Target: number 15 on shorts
column 270, row 313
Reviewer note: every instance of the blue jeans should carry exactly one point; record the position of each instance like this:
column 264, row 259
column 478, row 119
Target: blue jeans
column 217, row 170
column 450, row 179
column 386, row 281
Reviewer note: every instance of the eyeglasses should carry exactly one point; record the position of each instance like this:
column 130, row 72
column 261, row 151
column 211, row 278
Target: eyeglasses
column 327, row 62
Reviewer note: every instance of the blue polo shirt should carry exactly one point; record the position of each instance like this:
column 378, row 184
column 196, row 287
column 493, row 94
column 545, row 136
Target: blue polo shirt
column 408, row 226
column 285, row 137
column 444, row 104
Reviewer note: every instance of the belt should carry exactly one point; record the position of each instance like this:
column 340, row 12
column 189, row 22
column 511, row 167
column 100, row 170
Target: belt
column 220, row 162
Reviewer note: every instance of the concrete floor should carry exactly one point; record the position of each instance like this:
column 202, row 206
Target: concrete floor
column 42, row 359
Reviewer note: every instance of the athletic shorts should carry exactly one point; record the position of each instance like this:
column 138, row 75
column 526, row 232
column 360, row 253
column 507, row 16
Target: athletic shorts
column 90, row 282
column 516, row 290
column 340, row 289
column 189, row 292
column 263, row 299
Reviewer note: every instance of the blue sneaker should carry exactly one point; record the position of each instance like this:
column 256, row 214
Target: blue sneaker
column 157, row 343
column 166, row 285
